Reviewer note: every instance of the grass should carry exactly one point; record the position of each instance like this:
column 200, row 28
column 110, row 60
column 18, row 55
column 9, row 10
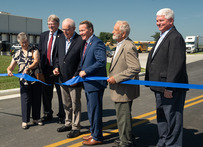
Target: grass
column 7, row 82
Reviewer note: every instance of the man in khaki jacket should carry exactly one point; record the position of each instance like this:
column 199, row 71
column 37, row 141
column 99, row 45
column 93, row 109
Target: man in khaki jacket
column 124, row 66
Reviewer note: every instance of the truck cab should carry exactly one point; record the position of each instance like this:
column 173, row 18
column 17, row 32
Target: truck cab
column 191, row 44
column 194, row 44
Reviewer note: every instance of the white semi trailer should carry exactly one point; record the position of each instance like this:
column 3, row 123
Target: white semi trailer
column 194, row 43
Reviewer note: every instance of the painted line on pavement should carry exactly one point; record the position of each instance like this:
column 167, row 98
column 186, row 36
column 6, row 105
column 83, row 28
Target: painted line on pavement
column 116, row 130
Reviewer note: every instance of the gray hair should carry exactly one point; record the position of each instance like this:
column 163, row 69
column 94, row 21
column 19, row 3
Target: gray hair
column 22, row 37
column 124, row 27
column 70, row 22
column 53, row 17
column 167, row 12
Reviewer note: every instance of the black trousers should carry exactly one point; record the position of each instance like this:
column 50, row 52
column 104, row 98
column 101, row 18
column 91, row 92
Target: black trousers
column 30, row 98
column 47, row 94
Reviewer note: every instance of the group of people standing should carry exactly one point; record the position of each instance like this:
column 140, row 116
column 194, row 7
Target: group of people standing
column 64, row 54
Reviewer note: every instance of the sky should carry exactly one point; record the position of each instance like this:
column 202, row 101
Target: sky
column 140, row 14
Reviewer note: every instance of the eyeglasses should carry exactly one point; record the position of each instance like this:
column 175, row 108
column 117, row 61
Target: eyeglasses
column 51, row 24
column 66, row 30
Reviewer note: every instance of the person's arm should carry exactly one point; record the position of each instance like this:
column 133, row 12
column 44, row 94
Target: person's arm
column 35, row 63
column 11, row 67
column 132, row 66
column 100, row 60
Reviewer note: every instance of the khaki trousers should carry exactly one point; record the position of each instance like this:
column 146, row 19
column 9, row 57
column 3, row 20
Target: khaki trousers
column 124, row 121
column 72, row 106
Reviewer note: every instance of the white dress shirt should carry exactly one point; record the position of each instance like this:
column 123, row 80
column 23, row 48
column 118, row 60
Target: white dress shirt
column 118, row 47
column 162, row 36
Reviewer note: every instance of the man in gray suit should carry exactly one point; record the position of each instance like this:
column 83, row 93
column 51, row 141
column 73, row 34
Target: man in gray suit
column 124, row 66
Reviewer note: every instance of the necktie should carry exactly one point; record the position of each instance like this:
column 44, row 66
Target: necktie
column 84, row 49
column 49, row 48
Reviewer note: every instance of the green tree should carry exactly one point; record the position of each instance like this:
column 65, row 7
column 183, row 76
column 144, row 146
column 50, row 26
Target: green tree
column 156, row 36
column 106, row 36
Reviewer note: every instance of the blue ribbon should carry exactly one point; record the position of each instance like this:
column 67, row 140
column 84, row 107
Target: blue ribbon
column 131, row 82
column 25, row 76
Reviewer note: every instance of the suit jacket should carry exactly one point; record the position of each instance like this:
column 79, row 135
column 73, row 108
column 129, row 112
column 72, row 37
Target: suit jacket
column 68, row 62
column 44, row 37
column 125, row 66
column 94, row 64
column 169, row 61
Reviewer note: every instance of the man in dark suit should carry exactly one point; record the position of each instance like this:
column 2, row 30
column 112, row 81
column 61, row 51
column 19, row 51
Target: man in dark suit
column 93, row 63
column 68, row 59
column 167, row 63
column 47, row 49
column 124, row 66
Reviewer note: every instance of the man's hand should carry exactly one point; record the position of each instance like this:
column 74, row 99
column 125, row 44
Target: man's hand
column 75, row 83
column 82, row 74
column 168, row 94
column 111, row 80
column 56, row 72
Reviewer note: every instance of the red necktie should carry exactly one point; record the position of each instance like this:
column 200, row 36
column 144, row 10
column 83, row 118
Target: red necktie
column 49, row 48
column 84, row 49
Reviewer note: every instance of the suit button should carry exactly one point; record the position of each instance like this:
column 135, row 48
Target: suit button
column 64, row 62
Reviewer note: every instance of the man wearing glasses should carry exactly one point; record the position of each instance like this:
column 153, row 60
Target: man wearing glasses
column 66, row 65
column 47, row 48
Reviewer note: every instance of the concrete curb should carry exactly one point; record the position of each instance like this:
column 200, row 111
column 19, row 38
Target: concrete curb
column 9, row 91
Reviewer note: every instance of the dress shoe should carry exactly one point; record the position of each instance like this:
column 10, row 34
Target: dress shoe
column 64, row 128
column 73, row 133
column 87, row 137
column 47, row 117
column 124, row 145
column 117, row 141
column 24, row 125
column 91, row 142
column 38, row 122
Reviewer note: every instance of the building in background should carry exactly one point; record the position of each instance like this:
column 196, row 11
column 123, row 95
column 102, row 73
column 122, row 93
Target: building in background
column 11, row 25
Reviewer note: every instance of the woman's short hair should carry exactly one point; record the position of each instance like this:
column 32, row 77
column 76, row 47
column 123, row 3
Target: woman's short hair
column 22, row 37
column 55, row 18
column 124, row 27
column 167, row 12
column 88, row 24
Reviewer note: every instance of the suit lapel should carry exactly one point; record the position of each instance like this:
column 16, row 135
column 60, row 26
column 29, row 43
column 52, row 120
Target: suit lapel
column 57, row 36
column 63, row 48
column 161, row 44
column 46, row 42
column 87, row 49
column 115, row 59
column 71, row 46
